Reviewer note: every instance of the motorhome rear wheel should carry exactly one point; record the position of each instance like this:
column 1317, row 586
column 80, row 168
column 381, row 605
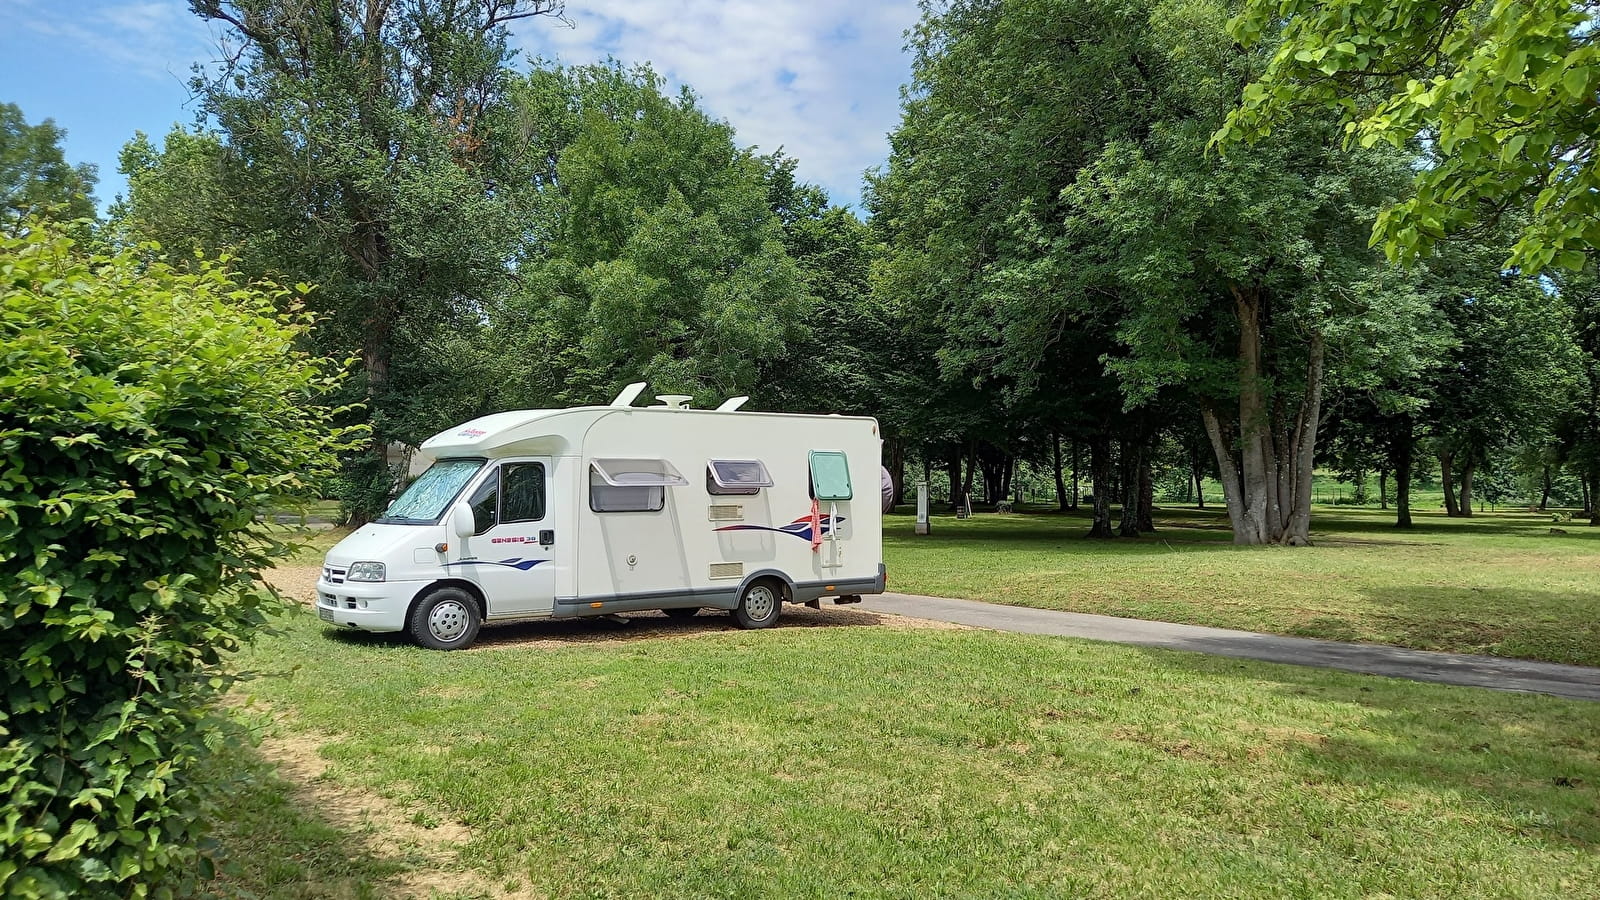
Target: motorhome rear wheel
column 760, row 605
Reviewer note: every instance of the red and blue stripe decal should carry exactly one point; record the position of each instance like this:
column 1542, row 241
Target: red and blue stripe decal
column 800, row 528
column 515, row 562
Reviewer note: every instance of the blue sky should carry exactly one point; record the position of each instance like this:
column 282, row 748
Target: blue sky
column 820, row 78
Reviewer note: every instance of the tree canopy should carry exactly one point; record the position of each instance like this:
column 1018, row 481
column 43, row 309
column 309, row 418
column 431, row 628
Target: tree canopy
column 654, row 252
column 1498, row 95
column 35, row 177
column 1087, row 248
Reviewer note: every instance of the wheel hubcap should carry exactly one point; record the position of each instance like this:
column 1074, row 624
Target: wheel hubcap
column 760, row 603
column 448, row 620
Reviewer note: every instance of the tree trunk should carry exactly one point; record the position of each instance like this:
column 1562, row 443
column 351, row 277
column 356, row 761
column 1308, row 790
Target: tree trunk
column 1147, row 495
column 1100, row 481
column 1403, row 452
column 952, row 468
column 1268, row 485
column 1383, row 488
column 972, row 467
column 1447, row 477
column 1227, row 467
column 1061, row 481
column 375, row 364
column 1132, row 460
column 1308, row 420
column 897, row 469
column 1592, row 497
column 1256, row 476
column 1466, row 488
column 992, row 467
column 1077, row 464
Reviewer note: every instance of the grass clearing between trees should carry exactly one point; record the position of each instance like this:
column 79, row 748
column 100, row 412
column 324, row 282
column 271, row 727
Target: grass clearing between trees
column 687, row 758
column 1498, row 583
column 701, row 761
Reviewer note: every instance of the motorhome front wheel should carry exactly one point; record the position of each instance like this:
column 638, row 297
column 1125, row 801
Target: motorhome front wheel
column 446, row 619
column 760, row 605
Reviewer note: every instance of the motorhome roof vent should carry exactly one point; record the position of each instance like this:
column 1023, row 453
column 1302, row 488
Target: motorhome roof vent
column 674, row 401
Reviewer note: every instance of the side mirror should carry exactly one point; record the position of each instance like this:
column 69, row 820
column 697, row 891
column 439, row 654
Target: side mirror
column 461, row 522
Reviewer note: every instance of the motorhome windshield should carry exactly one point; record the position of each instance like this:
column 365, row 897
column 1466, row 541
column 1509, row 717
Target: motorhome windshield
column 426, row 499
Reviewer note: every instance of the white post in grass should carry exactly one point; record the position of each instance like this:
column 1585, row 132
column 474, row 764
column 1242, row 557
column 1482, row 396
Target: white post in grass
column 922, row 507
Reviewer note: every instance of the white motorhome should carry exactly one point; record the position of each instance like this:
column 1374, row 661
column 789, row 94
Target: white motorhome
column 599, row 510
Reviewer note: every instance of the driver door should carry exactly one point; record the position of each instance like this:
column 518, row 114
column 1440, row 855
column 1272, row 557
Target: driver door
column 511, row 554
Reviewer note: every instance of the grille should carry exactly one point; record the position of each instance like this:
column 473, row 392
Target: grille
column 333, row 575
column 727, row 570
column 725, row 512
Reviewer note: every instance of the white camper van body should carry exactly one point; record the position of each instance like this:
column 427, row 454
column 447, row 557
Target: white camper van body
column 612, row 509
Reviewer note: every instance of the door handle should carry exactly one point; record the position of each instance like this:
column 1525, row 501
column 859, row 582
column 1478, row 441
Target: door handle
column 547, row 537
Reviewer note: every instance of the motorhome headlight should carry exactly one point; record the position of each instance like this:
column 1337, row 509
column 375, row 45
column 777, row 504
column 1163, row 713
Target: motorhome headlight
column 365, row 571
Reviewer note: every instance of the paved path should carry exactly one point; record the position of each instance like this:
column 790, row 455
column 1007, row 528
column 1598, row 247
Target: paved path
column 1576, row 682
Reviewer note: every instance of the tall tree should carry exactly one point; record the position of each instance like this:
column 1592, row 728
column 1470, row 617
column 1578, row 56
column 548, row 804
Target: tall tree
column 176, row 197
column 1051, row 185
column 653, row 253
column 854, row 352
column 1006, row 102
column 1514, row 368
column 35, row 177
column 1577, row 426
column 363, row 154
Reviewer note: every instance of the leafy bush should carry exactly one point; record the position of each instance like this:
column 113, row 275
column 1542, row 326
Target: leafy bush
column 146, row 414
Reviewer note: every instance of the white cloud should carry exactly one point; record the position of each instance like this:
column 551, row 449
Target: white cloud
column 821, row 79
column 156, row 39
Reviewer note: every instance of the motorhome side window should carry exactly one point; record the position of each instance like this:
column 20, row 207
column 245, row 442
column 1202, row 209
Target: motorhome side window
column 522, row 492
column 631, row 485
column 830, row 475
column 736, row 476
column 514, row 493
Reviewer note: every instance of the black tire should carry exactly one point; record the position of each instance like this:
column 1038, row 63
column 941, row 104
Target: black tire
column 445, row 619
column 759, row 605
column 682, row 612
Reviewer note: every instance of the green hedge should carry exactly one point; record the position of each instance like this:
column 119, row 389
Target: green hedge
column 146, row 414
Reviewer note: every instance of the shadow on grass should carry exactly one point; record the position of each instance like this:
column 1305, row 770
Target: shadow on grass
column 275, row 847
column 1535, row 761
column 1493, row 620
column 1197, row 529
column 1522, row 524
column 1067, row 532
column 634, row 627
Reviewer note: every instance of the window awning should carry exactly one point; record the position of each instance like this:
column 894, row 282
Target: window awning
column 739, row 474
column 638, row 473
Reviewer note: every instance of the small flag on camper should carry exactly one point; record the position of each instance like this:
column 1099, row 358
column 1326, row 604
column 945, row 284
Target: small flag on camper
column 816, row 526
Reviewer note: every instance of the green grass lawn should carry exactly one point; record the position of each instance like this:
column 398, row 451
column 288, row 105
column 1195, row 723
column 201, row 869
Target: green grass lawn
column 1497, row 583
column 868, row 761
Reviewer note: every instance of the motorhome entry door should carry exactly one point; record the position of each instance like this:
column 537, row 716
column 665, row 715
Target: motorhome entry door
column 512, row 554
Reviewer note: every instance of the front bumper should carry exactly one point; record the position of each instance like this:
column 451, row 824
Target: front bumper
column 369, row 606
